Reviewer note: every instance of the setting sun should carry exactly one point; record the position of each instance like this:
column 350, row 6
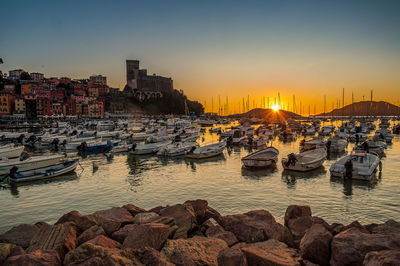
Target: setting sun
column 275, row 107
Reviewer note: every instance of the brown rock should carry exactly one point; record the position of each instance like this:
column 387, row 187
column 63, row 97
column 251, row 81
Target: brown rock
column 382, row 258
column 390, row 226
column 184, row 217
column 336, row 228
column 295, row 211
column 123, row 232
column 157, row 209
column 104, row 242
column 315, row 245
column 5, row 251
column 271, row 252
column 20, row 235
column 89, row 254
column 144, row 217
column 193, row 251
column 213, row 229
column 167, row 221
column 84, row 222
column 231, row 257
column 357, row 225
column 132, row 209
column 37, row 257
column 150, row 256
column 61, row 238
column 240, row 245
column 351, row 246
column 211, row 213
column 298, row 227
column 318, row 220
column 17, row 250
column 199, row 207
column 112, row 219
column 256, row 226
column 147, row 235
column 90, row 233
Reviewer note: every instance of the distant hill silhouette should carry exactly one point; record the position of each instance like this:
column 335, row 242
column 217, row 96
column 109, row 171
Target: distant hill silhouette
column 366, row 108
column 262, row 113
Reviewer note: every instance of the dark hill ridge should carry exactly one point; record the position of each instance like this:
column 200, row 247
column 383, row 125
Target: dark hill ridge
column 365, row 108
column 262, row 113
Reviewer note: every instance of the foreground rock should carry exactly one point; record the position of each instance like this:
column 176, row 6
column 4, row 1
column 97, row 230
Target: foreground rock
column 150, row 256
column 211, row 228
column 184, row 217
column 315, row 245
column 271, row 252
column 83, row 222
column 194, row 251
column 351, row 246
column 61, row 238
column 256, row 226
column 20, row 235
column 37, row 257
column 147, row 235
column 5, row 251
column 231, row 257
column 89, row 234
column 384, row 257
column 105, row 242
column 89, row 254
column 296, row 211
column 112, row 219
column 390, row 226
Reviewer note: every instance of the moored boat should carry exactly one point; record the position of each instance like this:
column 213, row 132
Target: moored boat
column 305, row 161
column 207, row 151
column 261, row 159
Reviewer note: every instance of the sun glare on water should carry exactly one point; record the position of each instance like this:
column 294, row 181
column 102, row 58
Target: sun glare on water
column 275, row 107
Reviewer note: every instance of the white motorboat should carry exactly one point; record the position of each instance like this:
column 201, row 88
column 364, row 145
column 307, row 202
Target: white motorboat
column 357, row 165
column 371, row 146
column 336, row 145
column 122, row 147
column 50, row 171
column 327, row 130
column 177, row 149
column 149, row 148
column 24, row 164
column 207, row 151
column 10, row 151
column 139, row 136
column 238, row 138
column 261, row 159
column 305, row 161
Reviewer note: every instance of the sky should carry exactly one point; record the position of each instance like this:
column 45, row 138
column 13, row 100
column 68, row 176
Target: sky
column 211, row 49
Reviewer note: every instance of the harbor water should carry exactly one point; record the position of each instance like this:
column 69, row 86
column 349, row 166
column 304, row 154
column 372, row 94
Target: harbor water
column 150, row 181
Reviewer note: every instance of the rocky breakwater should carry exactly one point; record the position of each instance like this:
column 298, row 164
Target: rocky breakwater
column 193, row 233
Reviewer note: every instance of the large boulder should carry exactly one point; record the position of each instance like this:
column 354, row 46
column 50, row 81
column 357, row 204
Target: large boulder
column 123, row 232
column 298, row 227
column 20, row 235
column 5, row 251
column 390, row 226
column 150, row 256
column 211, row 213
column 147, row 235
column 315, row 245
column 355, row 224
column 89, row 254
column 104, row 242
column 271, row 252
column 89, row 234
column 37, row 257
column 231, row 257
column 83, row 222
column 133, row 210
column 112, row 219
column 256, row 226
column 144, row 217
column 211, row 228
column 184, row 217
column 351, row 246
column 382, row 258
column 193, row 251
column 295, row 211
column 61, row 238
column 199, row 207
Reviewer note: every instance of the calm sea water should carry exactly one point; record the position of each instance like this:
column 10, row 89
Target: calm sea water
column 149, row 181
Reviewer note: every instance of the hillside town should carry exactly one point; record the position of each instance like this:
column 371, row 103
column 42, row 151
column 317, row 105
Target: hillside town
column 33, row 96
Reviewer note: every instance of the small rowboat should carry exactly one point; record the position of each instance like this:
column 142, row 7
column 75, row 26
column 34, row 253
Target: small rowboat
column 305, row 161
column 45, row 172
column 261, row 159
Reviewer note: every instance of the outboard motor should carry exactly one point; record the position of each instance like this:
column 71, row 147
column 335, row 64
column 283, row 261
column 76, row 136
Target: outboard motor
column 134, row 146
column 349, row 169
column 24, row 155
column 20, row 138
column 328, row 146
